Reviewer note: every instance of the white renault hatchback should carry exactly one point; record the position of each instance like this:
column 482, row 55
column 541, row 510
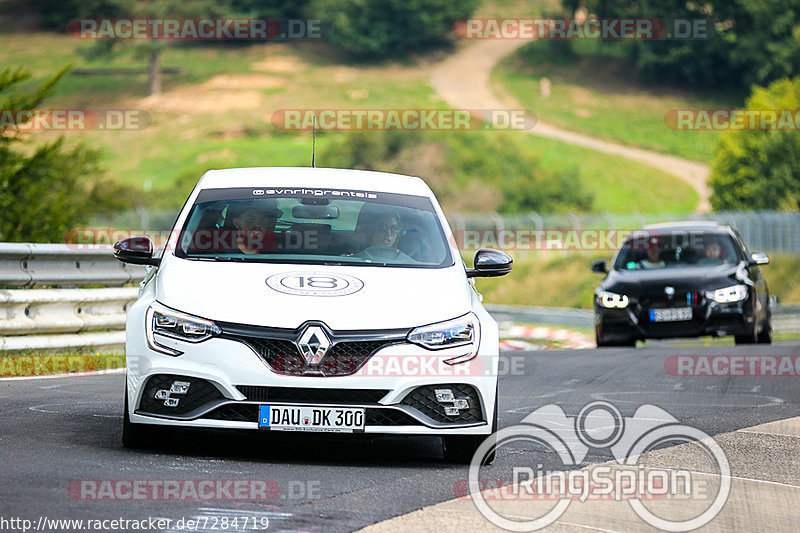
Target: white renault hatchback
column 309, row 299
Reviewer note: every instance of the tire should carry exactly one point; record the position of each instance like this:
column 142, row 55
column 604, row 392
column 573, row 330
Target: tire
column 135, row 436
column 748, row 338
column 459, row 449
column 765, row 336
column 602, row 343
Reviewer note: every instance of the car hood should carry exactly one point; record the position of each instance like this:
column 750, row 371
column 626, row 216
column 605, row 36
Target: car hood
column 634, row 282
column 383, row 297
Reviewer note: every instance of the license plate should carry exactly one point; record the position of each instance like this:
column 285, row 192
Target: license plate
column 671, row 315
column 311, row 418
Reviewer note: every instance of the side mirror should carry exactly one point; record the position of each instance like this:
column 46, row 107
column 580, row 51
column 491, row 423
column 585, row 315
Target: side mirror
column 136, row 251
column 600, row 266
column 490, row 264
column 759, row 258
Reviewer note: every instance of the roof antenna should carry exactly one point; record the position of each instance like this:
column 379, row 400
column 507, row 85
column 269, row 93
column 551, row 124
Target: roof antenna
column 314, row 143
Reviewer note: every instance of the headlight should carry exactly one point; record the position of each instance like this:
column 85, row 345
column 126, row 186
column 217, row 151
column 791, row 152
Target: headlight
column 734, row 293
column 162, row 320
column 611, row 300
column 461, row 331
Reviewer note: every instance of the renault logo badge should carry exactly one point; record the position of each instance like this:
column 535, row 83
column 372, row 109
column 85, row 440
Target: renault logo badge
column 313, row 344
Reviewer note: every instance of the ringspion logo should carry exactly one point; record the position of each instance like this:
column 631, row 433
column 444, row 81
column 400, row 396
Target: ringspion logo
column 629, row 477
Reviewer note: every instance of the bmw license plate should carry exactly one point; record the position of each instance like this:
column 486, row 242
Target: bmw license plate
column 311, row 418
column 671, row 315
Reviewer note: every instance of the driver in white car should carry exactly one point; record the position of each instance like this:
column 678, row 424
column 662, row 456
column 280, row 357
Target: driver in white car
column 384, row 230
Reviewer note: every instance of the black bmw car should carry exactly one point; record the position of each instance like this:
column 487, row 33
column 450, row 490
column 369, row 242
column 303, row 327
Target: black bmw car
column 682, row 280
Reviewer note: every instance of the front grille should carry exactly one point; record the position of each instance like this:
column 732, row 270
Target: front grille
column 390, row 417
column 679, row 299
column 200, row 393
column 424, row 400
column 342, row 359
column 311, row 395
column 349, row 351
column 235, row 412
column 248, row 412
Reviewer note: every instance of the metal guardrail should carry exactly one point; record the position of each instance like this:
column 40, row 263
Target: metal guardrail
column 551, row 316
column 785, row 318
column 68, row 317
column 63, row 265
column 62, row 316
column 765, row 231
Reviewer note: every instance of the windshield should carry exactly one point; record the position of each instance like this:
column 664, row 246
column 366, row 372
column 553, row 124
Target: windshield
column 314, row 226
column 649, row 251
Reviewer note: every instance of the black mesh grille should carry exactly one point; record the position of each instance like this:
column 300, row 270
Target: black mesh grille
column 249, row 413
column 679, row 299
column 390, row 417
column 424, row 399
column 311, row 395
column 235, row 412
column 343, row 358
column 200, row 393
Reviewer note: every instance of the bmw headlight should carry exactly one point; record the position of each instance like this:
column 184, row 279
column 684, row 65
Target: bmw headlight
column 734, row 293
column 461, row 331
column 161, row 320
column 612, row 300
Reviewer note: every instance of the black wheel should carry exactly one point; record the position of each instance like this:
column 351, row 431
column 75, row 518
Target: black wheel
column 765, row 335
column 603, row 343
column 135, row 435
column 748, row 338
column 599, row 340
column 460, row 448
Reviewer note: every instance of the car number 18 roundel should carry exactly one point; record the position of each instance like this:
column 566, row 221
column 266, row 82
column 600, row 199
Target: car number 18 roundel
column 314, row 283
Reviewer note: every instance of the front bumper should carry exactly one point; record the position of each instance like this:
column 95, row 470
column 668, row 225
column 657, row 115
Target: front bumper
column 230, row 379
column 708, row 318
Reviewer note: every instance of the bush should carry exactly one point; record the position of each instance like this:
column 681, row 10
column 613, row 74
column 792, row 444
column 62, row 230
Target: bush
column 760, row 169
column 372, row 29
column 750, row 41
column 49, row 190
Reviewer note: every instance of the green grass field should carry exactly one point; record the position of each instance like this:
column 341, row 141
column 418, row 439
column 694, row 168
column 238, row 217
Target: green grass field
column 218, row 112
column 596, row 95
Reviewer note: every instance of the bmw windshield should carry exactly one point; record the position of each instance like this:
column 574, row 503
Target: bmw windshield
column 312, row 226
column 652, row 251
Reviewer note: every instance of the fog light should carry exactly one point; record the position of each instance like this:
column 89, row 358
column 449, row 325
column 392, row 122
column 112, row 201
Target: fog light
column 162, row 394
column 179, row 387
column 461, row 403
column 451, row 411
column 171, row 402
column 444, row 395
